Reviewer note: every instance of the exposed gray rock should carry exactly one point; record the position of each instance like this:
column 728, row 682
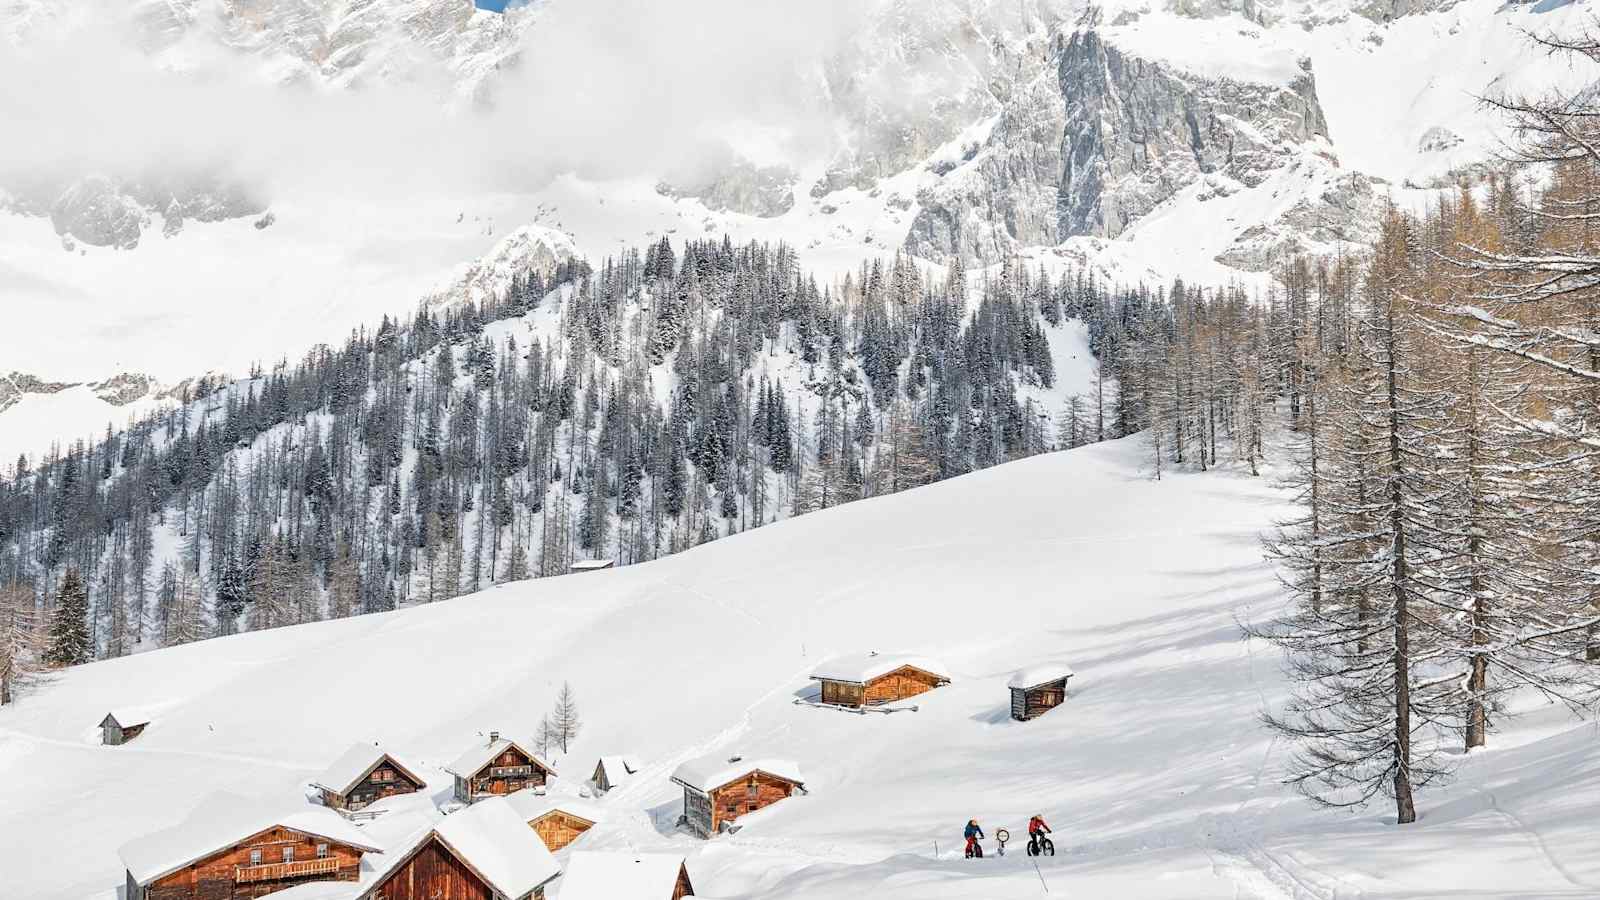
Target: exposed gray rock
column 742, row 187
column 1103, row 142
column 1137, row 132
column 120, row 390
column 1345, row 214
column 1438, row 139
column 95, row 211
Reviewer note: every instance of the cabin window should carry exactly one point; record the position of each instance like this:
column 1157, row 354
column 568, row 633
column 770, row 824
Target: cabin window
column 288, row 854
column 322, row 851
column 753, row 791
column 255, row 857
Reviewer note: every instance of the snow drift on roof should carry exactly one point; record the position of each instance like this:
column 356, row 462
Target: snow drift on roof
column 708, row 773
column 129, row 716
column 1043, row 673
column 353, row 765
column 471, row 762
column 584, row 565
column 860, row 668
column 497, row 843
column 620, row 876
column 222, row 820
column 619, row 765
column 530, row 805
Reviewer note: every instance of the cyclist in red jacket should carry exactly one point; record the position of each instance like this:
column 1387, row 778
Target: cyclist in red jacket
column 1037, row 828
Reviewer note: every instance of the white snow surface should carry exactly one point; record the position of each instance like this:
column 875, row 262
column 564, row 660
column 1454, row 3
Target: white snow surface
column 475, row 758
column 1156, row 773
column 592, row 875
column 129, row 716
column 860, row 668
column 498, row 844
column 707, row 773
column 1039, row 673
column 352, row 765
column 222, row 819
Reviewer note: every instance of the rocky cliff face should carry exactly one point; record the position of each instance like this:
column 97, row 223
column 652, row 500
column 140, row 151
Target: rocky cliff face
column 1102, row 141
column 1138, row 131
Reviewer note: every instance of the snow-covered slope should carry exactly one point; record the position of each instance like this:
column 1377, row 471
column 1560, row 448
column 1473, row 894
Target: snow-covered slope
column 1155, row 774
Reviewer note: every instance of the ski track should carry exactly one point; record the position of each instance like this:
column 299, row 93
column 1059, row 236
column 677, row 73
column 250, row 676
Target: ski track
column 1538, row 841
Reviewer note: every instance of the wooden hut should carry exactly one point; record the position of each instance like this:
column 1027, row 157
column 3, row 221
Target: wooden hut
column 717, row 791
column 233, row 849
column 870, row 679
column 484, row 852
column 610, row 771
column 364, row 773
column 591, row 565
column 626, row 876
column 1038, row 689
column 121, row 726
column 497, row 767
column 557, row 821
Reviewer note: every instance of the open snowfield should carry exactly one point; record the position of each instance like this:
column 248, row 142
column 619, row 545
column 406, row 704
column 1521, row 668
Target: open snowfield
column 1154, row 773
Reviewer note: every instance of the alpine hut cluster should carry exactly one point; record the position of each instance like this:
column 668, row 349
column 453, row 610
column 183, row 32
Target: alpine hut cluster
column 1038, row 689
column 716, row 791
column 871, row 679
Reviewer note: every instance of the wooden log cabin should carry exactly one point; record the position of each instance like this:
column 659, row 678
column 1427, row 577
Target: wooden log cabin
column 497, row 767
column 484, row 852
column 557, row 821
column 121, row 726
column 362, row 774
column 717, row 791
column 234, row 849
column 626, row 876
column 610, row 771
column 871, row 679
column 1038, row 689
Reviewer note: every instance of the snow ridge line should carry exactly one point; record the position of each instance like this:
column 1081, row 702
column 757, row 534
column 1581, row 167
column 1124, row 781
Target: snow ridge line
column 158, row 751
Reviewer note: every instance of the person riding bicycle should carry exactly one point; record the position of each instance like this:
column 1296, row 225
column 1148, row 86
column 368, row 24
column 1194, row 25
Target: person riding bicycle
column 1037, row 828
column 973, row 834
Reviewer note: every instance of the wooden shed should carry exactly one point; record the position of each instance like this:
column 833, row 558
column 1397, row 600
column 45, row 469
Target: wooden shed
column 870, row 679
column 362, row 774
column 611, row 771
column 121, row 726
column 626, row 876
column 557, row 821
column 1038, row 689
column 591, row 565
column 716, row 791
column 484, row 852
column 497, row 767
column 235, row 849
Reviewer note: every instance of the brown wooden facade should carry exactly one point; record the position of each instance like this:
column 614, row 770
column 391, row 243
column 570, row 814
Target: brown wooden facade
column 387, row 779
column 433, row 871
column 904, row 682
column 259, row 865
column 1033, row 702
column 559, row 828
column 508, row 772
column 683, row 887
column 708, row 813
column 114, row 733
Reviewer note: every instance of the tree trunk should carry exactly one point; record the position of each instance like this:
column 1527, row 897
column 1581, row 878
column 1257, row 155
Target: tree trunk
column 1405, row 807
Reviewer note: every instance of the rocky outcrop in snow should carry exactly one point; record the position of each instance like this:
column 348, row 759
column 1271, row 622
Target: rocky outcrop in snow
column 1101, row 141
column 1138, row 131
column 1342, row 216
column 528, row 249
column 94, row 210
column 741, row 186
column 106, row 212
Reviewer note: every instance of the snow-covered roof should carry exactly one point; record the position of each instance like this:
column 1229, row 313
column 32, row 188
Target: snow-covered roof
column 223, row 820
column 530, row 805
column 708, row 773
column 354, row 764
column 584, row 565
column 619, row 765
column 860, row 668
column 492, row 839
column 1043, row 673
column 620, row 876
column 128, row 716
column 472, row 762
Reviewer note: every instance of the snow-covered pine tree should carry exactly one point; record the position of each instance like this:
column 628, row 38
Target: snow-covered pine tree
column 70, row 642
